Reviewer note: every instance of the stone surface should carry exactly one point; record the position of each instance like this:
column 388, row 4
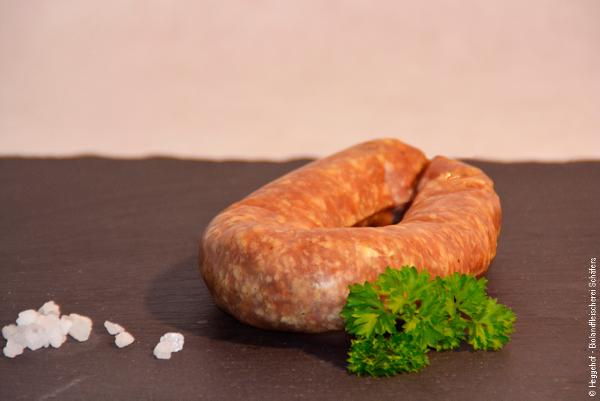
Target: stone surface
column 120, row 238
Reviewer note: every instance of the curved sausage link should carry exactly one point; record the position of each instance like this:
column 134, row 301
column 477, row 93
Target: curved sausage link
column 283, row 257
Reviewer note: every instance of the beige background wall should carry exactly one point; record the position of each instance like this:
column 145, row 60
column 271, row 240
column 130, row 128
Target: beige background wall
column 274, row 79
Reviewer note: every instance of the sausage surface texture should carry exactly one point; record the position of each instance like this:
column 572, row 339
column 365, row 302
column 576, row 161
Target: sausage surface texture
column 282, row 258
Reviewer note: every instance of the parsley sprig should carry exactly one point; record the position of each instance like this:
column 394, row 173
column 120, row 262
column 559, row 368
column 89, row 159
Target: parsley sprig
column 398, row 318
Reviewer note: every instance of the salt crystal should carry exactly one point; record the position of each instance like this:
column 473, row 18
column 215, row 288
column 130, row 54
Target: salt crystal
column 65, row 324
column 9, row 330
column 19, row 335
column 35, row 337
column 123, row 339
column 56, row 335
column 51, row 331
column 169, row 343
column 46, row 320
column 175, row 339
column 12, row 348
column 81, row 328
column 113, row 328
column 26, row 317
column 163, row 350
column 50, row 308
column 44, row 328
column 56, row 338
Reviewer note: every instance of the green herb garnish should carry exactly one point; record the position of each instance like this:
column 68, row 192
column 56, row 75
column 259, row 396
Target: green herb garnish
column 398, row 318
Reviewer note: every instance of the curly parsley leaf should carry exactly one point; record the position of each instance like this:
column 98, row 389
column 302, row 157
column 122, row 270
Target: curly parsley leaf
column 466, row 293
column 402, row 288
column 365, row 314
column 491, row 328
column 374, row 357
column 404, row 313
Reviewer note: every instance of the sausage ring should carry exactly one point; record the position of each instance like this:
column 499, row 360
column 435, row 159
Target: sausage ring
column 283, row 257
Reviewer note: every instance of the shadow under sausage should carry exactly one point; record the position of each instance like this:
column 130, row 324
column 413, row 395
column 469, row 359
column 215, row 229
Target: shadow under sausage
column 179, row 298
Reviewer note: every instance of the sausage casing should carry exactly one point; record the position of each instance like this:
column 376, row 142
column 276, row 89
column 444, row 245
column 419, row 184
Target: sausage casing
column 283, row 257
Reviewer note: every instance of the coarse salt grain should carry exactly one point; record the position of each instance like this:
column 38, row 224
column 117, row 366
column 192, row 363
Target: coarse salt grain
column 35, row 337
column 52, row 326
column 123, row 339
column 65, row 324
column 175, row 339
column 113, row 328
column 43, row 328
column 9, row 330
column 81, row 327
column 46, row 327
column 169, row 343
column 50, row 308
column 12, row 348
column 26, row 317
column 163, row 350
